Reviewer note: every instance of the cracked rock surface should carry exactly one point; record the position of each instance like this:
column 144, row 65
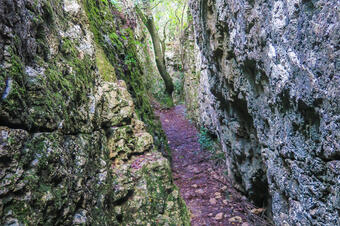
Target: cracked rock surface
column 269, row 90
column 72, row 149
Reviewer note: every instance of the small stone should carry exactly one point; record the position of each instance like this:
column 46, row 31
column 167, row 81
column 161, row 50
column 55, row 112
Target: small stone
column 235, row 219
column 80, row 217
column 219, row 216
column 210, row 214
column 225, row 202
column 194, row 185
column 47, row 197
column 170, row 204
column 200, row 191
column 213, row 201
column 245, row 224
column 224, row 188
column 12, row 222
column 218, row 195
column 196, row 170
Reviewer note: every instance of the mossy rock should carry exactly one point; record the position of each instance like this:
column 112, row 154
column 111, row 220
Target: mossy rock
column 56, row 115
column 118, row 43
column 49, row 79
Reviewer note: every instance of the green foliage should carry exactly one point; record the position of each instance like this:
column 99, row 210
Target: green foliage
column 130, row 59
column 115, row 3
column 179, row 86
column 179, row 83
column 116, row 39
column 171, row 19
column 208, row 143
column 170, row 13
column 205, row 140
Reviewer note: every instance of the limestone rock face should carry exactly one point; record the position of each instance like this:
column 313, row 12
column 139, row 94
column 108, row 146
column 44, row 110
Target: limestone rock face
column 270, row 91
column 118, row 34
column 192, row 77
column 72, row 149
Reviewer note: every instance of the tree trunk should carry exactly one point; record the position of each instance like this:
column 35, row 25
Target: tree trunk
column 159, row 55
column 163, row 42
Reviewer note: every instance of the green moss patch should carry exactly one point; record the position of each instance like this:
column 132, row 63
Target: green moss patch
column 114, row 35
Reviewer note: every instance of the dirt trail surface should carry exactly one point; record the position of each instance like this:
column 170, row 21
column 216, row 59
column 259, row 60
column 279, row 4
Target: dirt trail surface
column 209, row 196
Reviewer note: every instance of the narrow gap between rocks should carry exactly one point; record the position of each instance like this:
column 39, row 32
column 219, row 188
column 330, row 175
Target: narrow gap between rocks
column 209, row 194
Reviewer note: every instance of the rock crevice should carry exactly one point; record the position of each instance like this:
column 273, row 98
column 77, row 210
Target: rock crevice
column 73, row 150
column 269, row 91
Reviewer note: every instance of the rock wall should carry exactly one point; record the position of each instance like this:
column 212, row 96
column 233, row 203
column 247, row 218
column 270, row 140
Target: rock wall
column 118, row 33
column 72, row 148
column 270, row 91
column 192, row 76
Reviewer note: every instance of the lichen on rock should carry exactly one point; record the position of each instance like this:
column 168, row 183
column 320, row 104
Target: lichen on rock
column 70, row 141
column 270, row 92
column 115, row 33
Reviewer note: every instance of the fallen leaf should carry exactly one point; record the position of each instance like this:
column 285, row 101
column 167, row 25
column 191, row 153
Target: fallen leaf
column 219, row 216
column 257, row 211
column 235, row 219
column 218, row 195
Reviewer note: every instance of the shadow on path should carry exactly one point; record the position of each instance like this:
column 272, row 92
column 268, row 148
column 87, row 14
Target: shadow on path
column 211, row 198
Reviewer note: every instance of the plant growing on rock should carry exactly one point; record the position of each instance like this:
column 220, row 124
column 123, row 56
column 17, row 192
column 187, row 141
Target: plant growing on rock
column 205, row 139
column 208, row 143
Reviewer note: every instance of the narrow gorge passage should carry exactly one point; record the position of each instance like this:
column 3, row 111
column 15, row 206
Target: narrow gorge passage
column 209, row 196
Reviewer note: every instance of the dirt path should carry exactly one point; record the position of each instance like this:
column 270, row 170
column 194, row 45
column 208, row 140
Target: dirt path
column 209, row 196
